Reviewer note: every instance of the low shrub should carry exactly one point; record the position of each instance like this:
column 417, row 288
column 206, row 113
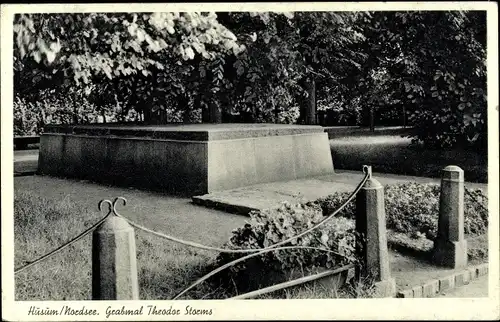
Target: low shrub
column 412, row 212
column 413, row 209
column 275, row 225
column 30, row 118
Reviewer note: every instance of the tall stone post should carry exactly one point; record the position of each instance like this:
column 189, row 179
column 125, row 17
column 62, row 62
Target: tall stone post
column 450, row 246
column 114, row 263
column 370, row 223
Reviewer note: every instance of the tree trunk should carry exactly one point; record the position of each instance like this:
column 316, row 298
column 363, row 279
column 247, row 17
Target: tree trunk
column 75, row 110
column 184, row 105
column 205, row 113
column 215, row 115
column 372, row 119
column 311, row 102
column 43, row 119
column 404, row 117
column 162, row 116
column 147, row 115
column 23, row 118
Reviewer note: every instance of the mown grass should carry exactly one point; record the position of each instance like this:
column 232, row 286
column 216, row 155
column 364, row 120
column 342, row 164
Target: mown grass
column 164, row 268
column 40, row 225
column 394, row 154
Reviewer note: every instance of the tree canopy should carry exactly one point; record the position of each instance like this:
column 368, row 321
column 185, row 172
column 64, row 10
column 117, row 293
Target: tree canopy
column 265, row 67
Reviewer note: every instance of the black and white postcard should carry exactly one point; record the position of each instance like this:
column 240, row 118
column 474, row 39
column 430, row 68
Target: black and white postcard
column 236, row 161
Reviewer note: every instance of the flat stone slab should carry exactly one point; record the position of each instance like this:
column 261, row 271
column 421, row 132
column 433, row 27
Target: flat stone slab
column 267, row 195
column 197, row 132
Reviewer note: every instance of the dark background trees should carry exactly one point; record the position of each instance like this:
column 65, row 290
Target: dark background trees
column 425, row 69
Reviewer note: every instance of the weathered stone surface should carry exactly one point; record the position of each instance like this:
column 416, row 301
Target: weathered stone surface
column 385, row 288
column 431, row 288
column 370, row 223
column 473, row 272
column 185, row 159
column 446, row 283
column 114, row 263
column 462, row 278
column 405, row 294
column 482, row 269
column 450, row 246
column 451, row 254
column 417, row 291
column 236, row 163
column 197, row 132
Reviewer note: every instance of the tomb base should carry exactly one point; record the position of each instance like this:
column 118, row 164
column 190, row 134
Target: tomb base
column 185, row 159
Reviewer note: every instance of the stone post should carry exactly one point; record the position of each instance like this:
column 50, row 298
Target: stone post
column 450, row 246
column 370, row 223
column 114, row 263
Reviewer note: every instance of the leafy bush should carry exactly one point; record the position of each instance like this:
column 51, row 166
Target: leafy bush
column 332, row 202
column 413, row 208
column 275, row 225
column 31, row 117
column 333, row 112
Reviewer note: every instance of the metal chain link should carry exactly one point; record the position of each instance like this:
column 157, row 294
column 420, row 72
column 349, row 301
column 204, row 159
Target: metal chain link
column 224, row 250
column 112, row 210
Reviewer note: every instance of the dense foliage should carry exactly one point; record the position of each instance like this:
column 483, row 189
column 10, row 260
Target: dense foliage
column 438, row 72
column 275, row 225
column 413, row 209
column 412, row 212
column 423, row 68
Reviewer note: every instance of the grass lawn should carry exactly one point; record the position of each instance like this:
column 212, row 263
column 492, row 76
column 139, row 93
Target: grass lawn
column 164, row 268
column 394, row 154
column 41, row 225
column 46, row 218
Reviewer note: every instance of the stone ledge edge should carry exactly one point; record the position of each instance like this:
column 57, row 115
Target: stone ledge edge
column 432, row 287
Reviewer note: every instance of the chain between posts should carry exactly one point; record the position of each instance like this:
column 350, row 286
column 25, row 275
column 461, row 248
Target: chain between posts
column 254, row 252
column 112, row 211
column 367, row 170
column 224, row 250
